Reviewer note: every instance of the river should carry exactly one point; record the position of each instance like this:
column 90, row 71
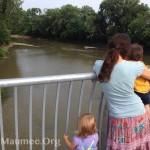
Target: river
column 46, row 58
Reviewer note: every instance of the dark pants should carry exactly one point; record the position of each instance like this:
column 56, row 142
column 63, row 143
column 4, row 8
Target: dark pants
column 145, row 97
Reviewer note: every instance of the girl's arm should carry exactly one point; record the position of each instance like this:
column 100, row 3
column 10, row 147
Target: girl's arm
column 70, row 144
column 146, row 74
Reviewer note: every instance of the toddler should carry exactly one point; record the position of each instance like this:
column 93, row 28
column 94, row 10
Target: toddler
column 86, row 137
column 141, row 85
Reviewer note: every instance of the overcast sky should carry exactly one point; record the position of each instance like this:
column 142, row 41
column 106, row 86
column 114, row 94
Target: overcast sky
column 58, row 3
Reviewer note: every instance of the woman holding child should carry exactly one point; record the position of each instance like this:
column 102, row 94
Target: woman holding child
column 128, row 122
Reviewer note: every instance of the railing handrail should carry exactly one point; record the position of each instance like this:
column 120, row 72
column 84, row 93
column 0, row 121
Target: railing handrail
column 46, row 79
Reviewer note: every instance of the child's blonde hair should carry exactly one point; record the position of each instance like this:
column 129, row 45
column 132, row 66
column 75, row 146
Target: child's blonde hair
column 86, row 125
column 136, row 52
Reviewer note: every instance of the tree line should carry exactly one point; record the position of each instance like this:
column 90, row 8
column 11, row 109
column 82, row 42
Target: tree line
column 77, row 24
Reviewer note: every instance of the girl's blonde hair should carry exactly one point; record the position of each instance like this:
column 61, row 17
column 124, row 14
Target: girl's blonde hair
column 86, row 125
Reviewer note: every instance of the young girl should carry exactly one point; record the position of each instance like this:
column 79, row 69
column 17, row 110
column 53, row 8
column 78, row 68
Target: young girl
column 86, row 137
column 141, row 85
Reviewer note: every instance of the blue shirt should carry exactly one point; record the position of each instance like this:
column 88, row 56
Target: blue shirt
column 119, row 91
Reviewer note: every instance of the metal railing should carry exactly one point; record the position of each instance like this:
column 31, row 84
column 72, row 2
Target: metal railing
column 46, row 80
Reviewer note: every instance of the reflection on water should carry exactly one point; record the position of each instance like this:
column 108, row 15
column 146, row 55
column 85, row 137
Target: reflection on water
column 50, row 58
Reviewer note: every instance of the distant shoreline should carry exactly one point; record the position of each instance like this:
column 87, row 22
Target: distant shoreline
column 20, row 36
column 6, row 47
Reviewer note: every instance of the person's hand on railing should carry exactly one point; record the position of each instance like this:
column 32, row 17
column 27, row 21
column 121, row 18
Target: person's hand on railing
column 70, row 144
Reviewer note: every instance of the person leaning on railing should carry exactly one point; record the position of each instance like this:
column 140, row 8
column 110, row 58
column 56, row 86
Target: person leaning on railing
column 128, row 121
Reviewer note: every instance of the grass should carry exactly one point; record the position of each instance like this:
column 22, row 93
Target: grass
column 3, row 53
column 3, row 92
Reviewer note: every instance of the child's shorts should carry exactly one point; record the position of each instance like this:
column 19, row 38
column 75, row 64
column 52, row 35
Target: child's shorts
column 145, row 97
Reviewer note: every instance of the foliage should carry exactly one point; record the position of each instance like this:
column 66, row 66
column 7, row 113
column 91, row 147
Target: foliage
column 3, row 92
column 4, row 32
column 8, row 12
column 3, row 53
column 66, row 23
column 13, row 15
column 69, row 25
column 140, row 29
column 50, row 22
column 32, row 21
column 116, row 15
column 77, row 24
column 88, row 18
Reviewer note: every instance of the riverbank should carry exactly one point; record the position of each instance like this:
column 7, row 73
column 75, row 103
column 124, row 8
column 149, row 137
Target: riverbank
column 6, row 47
column 20, row 36
column 86, row 45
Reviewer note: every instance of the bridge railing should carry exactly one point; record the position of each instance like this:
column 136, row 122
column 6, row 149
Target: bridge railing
column 45, row 81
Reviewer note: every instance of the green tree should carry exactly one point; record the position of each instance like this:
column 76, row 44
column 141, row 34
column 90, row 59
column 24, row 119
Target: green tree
column 4, row 32
column 18, row 24
column 140, row 29
column 3, row 6
column 32, row 21
column 8, row 20
column 50, row 23
column 116, row 15
column 88, row 18
column 12, row 12
column 68, row 22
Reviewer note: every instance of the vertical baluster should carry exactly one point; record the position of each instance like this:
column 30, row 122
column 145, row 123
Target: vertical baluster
column 1, row 123
column 56, row 114
column 81, row 95
column 91, row 95
column 68, row 106
column 16, row 117
column 43, row 116
column 30, row 117
column 99, row 114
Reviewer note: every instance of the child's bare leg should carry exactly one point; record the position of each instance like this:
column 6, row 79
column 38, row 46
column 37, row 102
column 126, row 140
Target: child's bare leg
column 147, row 107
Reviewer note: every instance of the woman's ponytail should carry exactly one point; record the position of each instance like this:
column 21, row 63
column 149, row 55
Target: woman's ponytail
column 118, row 46
column 108, row 65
